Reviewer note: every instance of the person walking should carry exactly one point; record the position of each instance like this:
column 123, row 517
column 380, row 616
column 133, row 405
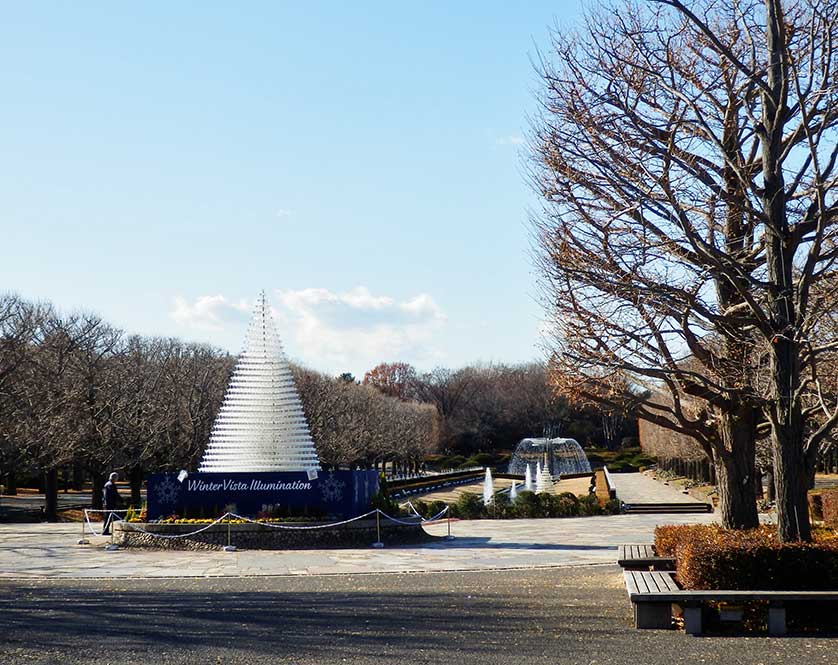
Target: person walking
column 111, row 500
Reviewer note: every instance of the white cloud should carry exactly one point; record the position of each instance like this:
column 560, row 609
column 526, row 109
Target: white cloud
column 512, row 139
column 335, row 332
column 209, row 312
column 356, row 330
column 283, row 213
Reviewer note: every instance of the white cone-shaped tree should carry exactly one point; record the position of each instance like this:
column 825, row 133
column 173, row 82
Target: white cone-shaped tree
column 544, row 481
column 261, row 425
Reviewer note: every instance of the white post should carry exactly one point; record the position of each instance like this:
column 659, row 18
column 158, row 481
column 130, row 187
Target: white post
column 83, row 540
column 378, row 544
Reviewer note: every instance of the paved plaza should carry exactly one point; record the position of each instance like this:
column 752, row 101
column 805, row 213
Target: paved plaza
column 539, row 591
column 641, row 488
column 51, row 550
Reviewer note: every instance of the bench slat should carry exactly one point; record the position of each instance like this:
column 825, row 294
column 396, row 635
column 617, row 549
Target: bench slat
column 661, row 586
column 641, row 582
column 641, row 556
column 631, row 584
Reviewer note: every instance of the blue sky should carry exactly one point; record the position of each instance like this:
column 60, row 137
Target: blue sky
column 160, row 163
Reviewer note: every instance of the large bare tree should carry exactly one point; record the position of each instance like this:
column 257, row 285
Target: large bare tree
column 686, row 159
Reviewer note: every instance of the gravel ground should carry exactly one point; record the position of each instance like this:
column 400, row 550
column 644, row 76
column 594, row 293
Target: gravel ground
column 559, row 615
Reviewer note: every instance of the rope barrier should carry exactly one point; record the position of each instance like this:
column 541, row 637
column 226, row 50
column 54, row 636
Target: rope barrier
column 422, row 520
column 377, row 511
column 94, row 510
column 177, row 535
column 316, row 526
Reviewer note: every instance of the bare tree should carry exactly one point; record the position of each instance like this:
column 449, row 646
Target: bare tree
column 394, row 379
column 686, row 159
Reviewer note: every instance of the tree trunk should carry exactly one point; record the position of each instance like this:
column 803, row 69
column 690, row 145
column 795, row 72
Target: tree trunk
column 791, row 481
column 784, row 410
column 51, row 495
column 810, row 476
column 135, row 477
column 11, row 482
column 98, row 486
column 769, row 483
column 734, row 462
column 78, row 477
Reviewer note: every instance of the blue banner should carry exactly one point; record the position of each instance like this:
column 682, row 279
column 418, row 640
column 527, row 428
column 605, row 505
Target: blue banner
column 329, row 493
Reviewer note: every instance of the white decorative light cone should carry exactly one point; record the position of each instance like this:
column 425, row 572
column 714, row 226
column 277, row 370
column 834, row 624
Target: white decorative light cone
column 488, row 487
column 261, row 425
column 544, row 482
column 513, row 491
column 528, row 479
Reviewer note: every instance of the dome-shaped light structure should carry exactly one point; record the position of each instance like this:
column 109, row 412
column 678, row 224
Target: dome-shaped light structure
column 559, row 456
column 261, row 425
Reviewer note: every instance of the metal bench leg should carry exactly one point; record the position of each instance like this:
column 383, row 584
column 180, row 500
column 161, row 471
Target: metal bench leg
column 776, row 620
column 653, row 615
column 692, row 619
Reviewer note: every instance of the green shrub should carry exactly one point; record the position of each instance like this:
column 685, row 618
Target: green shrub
column 481, row 459
column 526, row 505
column 501, row 500
column 469, row 506
column 500, row 507
column 641, row 460
column 436, row 507
column 595, row 459
column 382, row 500
column 547, row 505
column 589, row 505
column 384, row 503
column 621, row 466
column 421, row 507
column 453, row 462
column 562, row 505
column 611, row 507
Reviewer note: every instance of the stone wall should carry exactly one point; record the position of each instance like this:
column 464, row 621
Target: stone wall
column 360, row 534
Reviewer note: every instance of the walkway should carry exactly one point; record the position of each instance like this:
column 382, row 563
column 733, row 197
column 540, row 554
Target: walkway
column 50, row 550
column 640, row 488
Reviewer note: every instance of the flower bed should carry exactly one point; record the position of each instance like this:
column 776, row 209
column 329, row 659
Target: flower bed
column 249, row 535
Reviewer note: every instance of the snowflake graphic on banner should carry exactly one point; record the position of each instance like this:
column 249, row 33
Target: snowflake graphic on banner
column 167, row 491
column 331, row 489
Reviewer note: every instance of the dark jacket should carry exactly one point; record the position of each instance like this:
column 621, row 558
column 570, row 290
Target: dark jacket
column 111, row 497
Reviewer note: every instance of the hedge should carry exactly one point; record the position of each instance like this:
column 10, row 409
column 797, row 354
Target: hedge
column 823, row 506
column 829, row 499
column 527, row 505
column 709, row 557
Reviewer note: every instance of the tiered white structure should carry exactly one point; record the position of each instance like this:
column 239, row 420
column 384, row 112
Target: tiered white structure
column 488, row 487
column 261, row 425
column 544, row 481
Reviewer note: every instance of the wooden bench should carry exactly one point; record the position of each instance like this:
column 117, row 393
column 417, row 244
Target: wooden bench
column 653, row 593
column 642, row 557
